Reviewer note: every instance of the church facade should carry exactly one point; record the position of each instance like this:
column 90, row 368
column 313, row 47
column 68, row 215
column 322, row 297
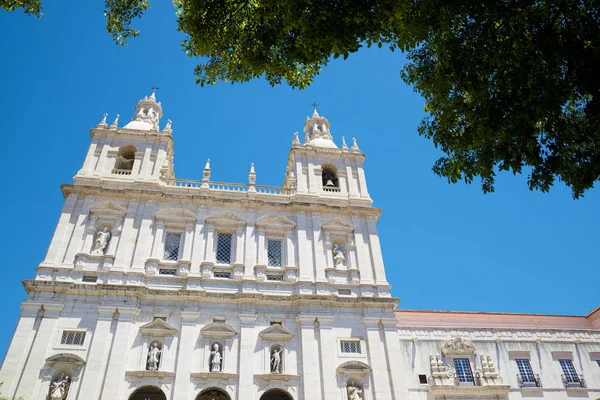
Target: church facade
column 156, row 288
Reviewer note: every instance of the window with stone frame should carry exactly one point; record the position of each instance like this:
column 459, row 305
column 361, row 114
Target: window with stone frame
column 73, row 338
column 274, row 252
column 172, row 245
column 350, row 346
column 570, row 374
column 224, row 245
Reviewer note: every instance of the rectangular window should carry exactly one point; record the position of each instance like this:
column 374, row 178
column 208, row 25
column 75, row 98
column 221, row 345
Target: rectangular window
column 350, row 346
column 222, row 274
column 164, row 271
column 569, row 371
column 172, row 242
column 463, row 371
column 278, row 278
column 224, row 248
column 274, row 252
column 90, row 279
column 525, row 371
column 344, row 292
column 423, row 379
column 74, row 338
column 218, row 320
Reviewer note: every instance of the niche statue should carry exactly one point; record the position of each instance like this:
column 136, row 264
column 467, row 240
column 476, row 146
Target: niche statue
column 276, row 360
column 101, row 242
column 153, row 357
column 59, row 389
column 215, row 359
column 338, row 256
column 354, row 392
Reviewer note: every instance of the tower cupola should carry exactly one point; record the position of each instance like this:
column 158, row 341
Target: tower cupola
column 147, row 114
column 317, row 131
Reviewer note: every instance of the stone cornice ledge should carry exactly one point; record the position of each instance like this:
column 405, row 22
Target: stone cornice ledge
column 150, row 374
column 276, row 377
column 471, row 391
column 224, row 376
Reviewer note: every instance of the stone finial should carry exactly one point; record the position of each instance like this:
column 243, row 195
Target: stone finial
column 344, row 145
column 296, row 141
column 102, row 124
column 306, row 138
column 115, row 123
column 206, row 173
column 252, row 175
column 168, row 126
column 355, row 148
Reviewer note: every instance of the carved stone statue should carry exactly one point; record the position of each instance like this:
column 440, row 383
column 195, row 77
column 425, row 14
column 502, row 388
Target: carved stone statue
column 154, row 357
column 101, row 242
column 215, row 359
column 338, row 256
column 59, row 389
column 354, row 392
column 276, row 360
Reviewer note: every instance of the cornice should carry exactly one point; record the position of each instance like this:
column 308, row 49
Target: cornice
column 197, row 199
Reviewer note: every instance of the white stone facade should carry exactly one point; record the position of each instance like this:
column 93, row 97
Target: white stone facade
column 208, row 290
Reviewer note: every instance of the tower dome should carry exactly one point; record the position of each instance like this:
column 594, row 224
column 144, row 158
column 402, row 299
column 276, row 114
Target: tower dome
column 147, row 114
column 317, row 129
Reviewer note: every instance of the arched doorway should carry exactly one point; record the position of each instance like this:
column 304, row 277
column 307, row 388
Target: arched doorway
column 148, row 393
column 213, row 394
column 276, row 394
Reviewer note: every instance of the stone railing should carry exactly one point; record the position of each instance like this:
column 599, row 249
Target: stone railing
column 230, row 187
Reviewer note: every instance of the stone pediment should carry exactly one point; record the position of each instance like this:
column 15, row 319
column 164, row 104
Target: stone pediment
column 276, row 333
column 180, row 215
column 337, row 225
column 157, row 328
column 218, row 330
column 65, row 358
column 107, row 208
column 225, row 218
column 458, row 346
column 275, row 222
column 353, row 367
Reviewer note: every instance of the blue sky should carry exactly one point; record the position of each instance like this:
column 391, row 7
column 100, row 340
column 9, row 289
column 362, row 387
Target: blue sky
column 446, row 247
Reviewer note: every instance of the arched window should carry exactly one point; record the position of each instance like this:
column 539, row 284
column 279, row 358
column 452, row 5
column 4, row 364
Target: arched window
column 125, row 159
column 216, row 357
column 148, row 393
column 276, row 359
column 329, row 177
column 213, row 394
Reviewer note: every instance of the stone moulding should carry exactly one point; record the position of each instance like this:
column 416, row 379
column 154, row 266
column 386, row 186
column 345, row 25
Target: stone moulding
column 150, row 374
column 218, row 330
column 354, row 368
column 276, row 333
column 157, row 328
column 472, row 392
column 458, row 346
column 223, row 376
column 276, row 377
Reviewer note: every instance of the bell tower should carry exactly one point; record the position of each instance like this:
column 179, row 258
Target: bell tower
column 318, row 168
column 137, row 152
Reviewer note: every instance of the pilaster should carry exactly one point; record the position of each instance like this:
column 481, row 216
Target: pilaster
column 143, row 245
column 328, row 353
column 123, row 253
column 305, row 262
column 78, row 232
column 377, row 359
column 376, row 255
column 247, row 344
column 311, row 377
column 157, row 251
column 251, row 258
column 187, row 341
column 362, row 252
column 53, row 256
column 319, row 250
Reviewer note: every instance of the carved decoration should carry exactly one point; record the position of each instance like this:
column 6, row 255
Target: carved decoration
column 59, row 389
column 157, row 328
column 337, row 225
column 276, row 333
column 225, row 218
column 176, row 215
column 218, row 330
column 458, row 346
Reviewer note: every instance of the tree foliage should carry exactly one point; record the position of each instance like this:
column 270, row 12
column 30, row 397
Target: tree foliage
column 510, row 85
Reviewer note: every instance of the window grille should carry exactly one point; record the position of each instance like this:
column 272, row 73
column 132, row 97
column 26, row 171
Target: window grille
column 167, row 271
column 224, row 248
column 344, row 292
column 91, row 279
column 525, row 371
column 463, row 371
column 222, row 274
column 350, row 346
column 278, row 278
column 172, row 242
column 569, row 371
column 274, row 252
column 74, row 338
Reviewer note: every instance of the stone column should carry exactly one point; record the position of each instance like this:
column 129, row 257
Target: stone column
column 115, row 375
column 210, row 256
column 364, row 193
column 377, row 359
column 78, row 232
column 353, row 187
column 328, row 357
column 37, row 356
column 380, row 278
column 394, row 353
column 362, row 252
column 187, row 242
column 103, row 168
column 90, row 233
column 198, row 245
column 136, row 169
column 302, row 187
column 146, row 168
column 124, row 253
column 251, row 258
column 248, row 339
column 183, row 369
column 115, row 237
column 289, row 249
column 158, row 250
column 320, row 261
column 305, row 261
column 239, row 246
column 311, row 377
column 312, row 182
column 90, row 158
column 53, row 255
column 20, row 345
column 95, row 367
column 261, row 247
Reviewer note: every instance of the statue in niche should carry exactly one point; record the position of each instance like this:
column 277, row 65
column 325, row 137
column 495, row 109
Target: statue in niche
column 354, row 392
column 215, row 359
column 101, row 242
column 276, row 360
column 59, row 389
column 153, row 357
column 338, row 256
